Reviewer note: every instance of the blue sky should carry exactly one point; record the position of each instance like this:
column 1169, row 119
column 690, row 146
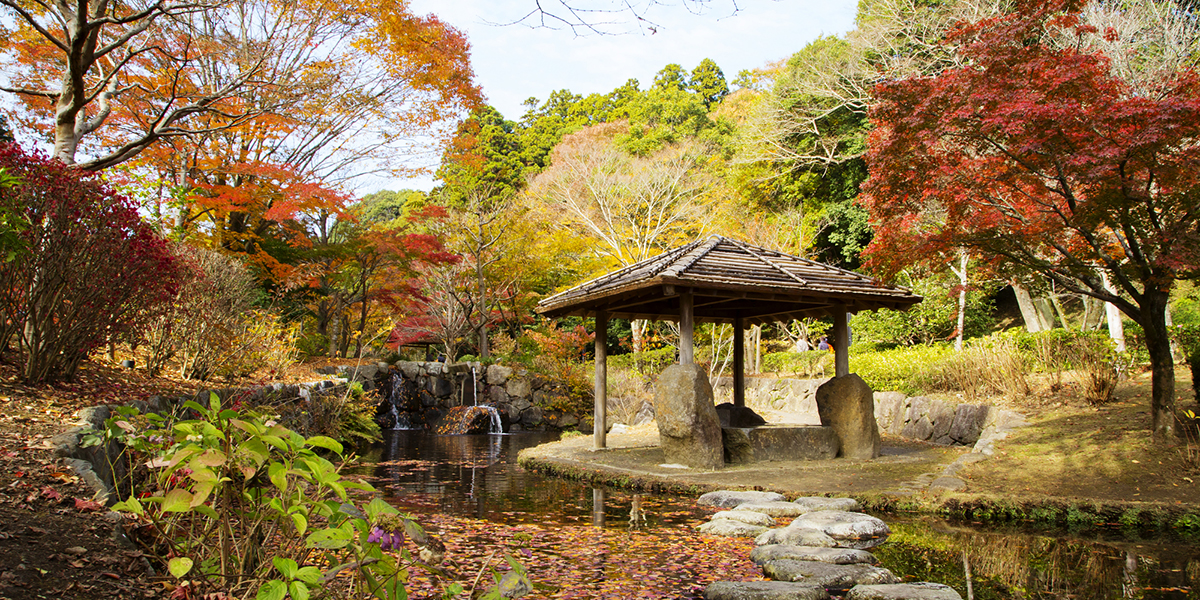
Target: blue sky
column 515, row 62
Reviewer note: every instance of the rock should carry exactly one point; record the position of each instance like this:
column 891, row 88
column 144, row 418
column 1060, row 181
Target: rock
column 903, row 591
column 847, row 405
column 968, row 423
column 887, row 404
column 732, row 415
column 618, row 428
column 498, row 375
column 941, row 416
column 950, row 484
column 778, row 508
column 779, row 442
column 645, row 414
column 531, row 416
column 518, row 387
column 688, row 429
column 836, row 556
column 410, row 369
column 731, row 498
column 795, row 536
column 440, row 387
column 850, row 529
column 835, row 578
column 918, row 407
column 747, row 516
column 731, row 528
column 496, row 394
column 567, row 420
column 764, row 590
column 815, row 503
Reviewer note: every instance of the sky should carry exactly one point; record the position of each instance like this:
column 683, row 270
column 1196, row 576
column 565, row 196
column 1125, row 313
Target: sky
column 516, row 61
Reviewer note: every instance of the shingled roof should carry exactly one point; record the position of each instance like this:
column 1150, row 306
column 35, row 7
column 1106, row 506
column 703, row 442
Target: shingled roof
column 728, row 279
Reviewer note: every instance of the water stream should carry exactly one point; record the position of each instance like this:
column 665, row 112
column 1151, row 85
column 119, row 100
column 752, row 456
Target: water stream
column 469, row 488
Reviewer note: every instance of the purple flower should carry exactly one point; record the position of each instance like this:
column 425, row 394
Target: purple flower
column 387, row 540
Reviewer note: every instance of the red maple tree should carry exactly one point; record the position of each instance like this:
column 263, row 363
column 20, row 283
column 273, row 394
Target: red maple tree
column 1034, row 155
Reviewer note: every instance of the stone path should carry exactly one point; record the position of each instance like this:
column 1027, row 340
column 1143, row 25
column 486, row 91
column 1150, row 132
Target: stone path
column 822, row 553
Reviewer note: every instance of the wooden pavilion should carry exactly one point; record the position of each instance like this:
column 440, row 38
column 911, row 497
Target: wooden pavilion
column 720, row 280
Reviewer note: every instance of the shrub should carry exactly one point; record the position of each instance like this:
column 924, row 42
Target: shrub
column 243, row 506
column 899, row 369
column 649, row 362
column 812, row 363
column 1095, row 360
column 560, row 360
column 348, row 417
column 985, row 366
column 90, row 270
column 934, row 319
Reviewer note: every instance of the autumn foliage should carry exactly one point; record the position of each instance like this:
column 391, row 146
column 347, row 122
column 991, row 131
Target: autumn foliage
column 1036, row 156
column 87, row 269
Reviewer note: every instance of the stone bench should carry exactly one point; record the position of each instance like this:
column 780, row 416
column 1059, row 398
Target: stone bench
column 779, row 442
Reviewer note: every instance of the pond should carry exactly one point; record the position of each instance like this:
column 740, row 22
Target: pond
column 583, row 542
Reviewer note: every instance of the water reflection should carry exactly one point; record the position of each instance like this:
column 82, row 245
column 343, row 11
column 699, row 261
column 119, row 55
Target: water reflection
column 477, row 477
column 1011, row 564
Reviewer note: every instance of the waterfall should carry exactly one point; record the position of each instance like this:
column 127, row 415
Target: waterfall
column 470, row 420
column 497, row 426
column 475, row 388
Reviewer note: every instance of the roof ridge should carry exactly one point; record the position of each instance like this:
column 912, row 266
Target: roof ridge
column 712, row 242
column 770, row 263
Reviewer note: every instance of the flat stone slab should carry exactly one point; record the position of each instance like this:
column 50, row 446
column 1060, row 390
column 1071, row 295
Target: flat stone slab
column 836, row 556
column 779, row 442
column 731, row 528
column 779, row 508
column 903, row 591
column 752, row 517
column 835, row 578
column 796, row 536
column 731, row 498
column 815, row 503
column 764, row 590
column 850, row 529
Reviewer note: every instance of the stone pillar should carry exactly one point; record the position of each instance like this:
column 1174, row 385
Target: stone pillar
column 847, row 404
column 600, row 412
column 739, row 361
column 841, row 335
column 687, row 326
column 689, row 430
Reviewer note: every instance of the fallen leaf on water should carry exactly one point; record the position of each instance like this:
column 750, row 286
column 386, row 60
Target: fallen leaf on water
column 86, row 505
column 76, row 550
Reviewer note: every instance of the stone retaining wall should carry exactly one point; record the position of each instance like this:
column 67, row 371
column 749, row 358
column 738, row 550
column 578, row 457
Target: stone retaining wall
column 426, row 390
column 916, row 418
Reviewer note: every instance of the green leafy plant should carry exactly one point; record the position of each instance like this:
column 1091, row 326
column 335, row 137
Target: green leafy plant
column 238, row 503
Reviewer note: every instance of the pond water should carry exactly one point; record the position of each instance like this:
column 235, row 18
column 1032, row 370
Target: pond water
column 583, row 542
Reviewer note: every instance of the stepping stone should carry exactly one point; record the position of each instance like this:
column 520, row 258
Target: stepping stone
column 732, row 528
column 796, row 536
column 903, row 591
column 730, row 498
column 746, row 516
column 850, row 529
column 764, row 590
column 815, row 503
column 778, row 508
column 836, row 556
column 834, row 578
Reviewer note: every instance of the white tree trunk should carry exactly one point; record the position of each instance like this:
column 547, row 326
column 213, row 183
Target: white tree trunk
column 961, row 271
column 1116, row 329
column 1036, row 317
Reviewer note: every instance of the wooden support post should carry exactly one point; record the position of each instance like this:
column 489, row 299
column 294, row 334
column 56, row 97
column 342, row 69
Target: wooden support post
column 600, row 414
column 687, row 327
column 841, row 336
column 739, row 361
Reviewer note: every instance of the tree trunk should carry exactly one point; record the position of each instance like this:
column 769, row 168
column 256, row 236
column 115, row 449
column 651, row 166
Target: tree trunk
column 635, row 327
column 961, row 271
column 1116, row 327
column 1034, row 316
column 1162, row 366
column 481, row 290
column 335, row 330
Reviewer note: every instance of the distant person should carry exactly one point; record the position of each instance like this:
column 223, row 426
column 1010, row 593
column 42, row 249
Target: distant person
column 824, row 344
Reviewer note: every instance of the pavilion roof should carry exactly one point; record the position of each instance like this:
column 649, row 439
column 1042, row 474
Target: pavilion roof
column 728, row 279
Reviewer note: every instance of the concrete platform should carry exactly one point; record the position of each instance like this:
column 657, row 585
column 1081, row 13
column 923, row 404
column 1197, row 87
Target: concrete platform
column 774, row 442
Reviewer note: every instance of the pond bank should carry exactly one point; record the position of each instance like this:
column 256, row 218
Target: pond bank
column 897, row 482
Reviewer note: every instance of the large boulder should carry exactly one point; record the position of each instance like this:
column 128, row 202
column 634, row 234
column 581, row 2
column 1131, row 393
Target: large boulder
column 732, row 415
column 731, row 528
column 815, row 503
column 810, row 537
column 847, row 405
column 903, row 591
column 850, row 529
column 764, row 590
column 747, row 516
column 732, row 498
column 836, row 556
column 688, row 428
column 835, row 578
column 779, row 508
